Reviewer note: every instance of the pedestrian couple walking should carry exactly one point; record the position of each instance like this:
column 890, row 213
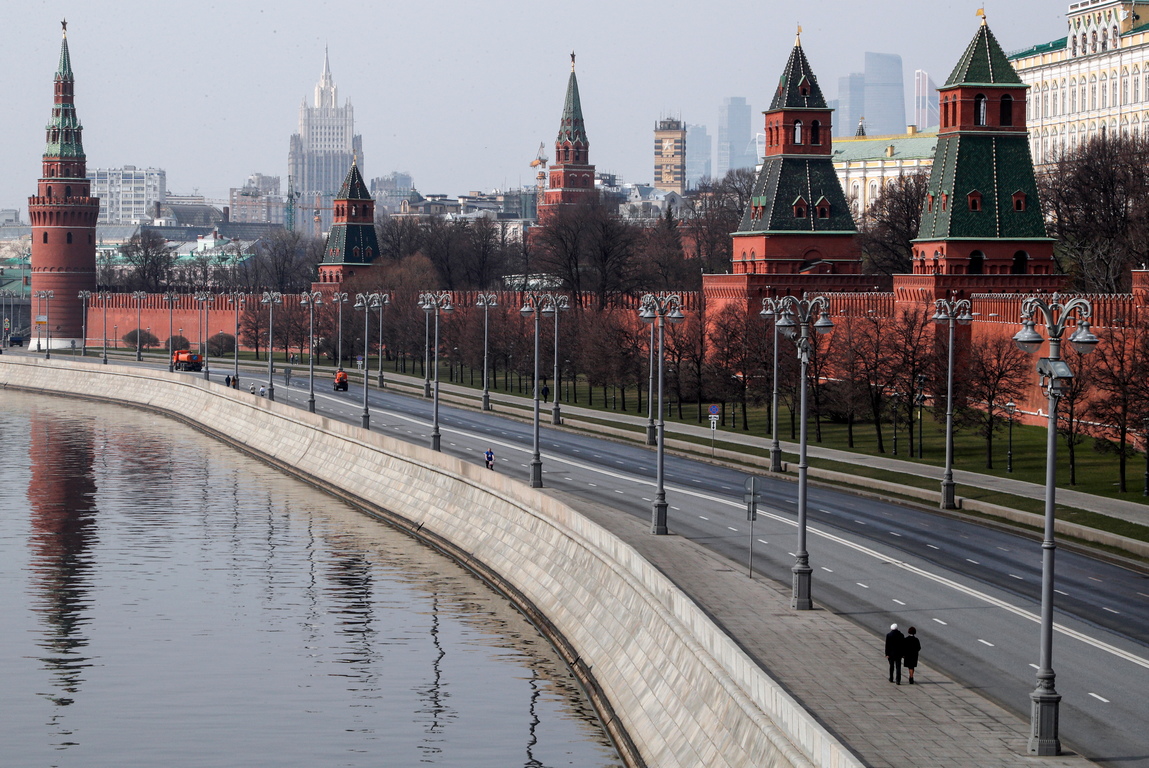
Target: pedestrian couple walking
column 902, row 649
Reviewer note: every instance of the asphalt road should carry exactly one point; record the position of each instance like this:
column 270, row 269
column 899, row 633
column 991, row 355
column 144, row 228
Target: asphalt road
column 973, row 592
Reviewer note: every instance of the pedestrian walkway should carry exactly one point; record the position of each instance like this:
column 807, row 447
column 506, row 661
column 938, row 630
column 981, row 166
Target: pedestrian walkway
column 833, row 667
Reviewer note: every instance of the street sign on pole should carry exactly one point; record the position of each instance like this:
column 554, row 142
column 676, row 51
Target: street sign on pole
column 713, row 427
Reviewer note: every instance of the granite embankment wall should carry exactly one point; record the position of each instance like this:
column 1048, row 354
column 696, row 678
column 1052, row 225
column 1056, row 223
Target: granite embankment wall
column 671, row 688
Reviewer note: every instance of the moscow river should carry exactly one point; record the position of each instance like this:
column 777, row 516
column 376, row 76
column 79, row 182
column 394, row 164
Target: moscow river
column 169, row 601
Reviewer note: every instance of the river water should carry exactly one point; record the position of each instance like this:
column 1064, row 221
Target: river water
column 166, row 600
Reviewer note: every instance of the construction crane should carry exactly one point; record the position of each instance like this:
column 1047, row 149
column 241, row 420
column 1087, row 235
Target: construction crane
column 292, row 196
column 540, row 162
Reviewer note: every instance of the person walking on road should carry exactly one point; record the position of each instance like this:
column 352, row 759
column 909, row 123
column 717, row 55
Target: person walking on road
column 227, row 381
column 911, row 647
column 251, row 389
column 490, row 458
column 895, row 647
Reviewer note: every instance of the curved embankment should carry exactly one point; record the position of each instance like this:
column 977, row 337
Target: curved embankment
column 670, row 687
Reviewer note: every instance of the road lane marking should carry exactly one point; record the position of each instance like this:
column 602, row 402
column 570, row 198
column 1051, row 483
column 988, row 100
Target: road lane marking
column 1058, row 591
column 931, row 546
column 860, row 584
column 1035, row 667
column 731, row 529
column 975, row 562
column 704, row 518
column 1094, row 578
column 899, row 602
column 1110, row 610
column 939, row 621
column 1015, row 576
column 859, row 522
column 985, row 642
column 827, row 570
column 1099, row 698
column 763, row 541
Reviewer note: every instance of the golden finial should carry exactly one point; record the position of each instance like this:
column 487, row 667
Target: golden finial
column 981, row 14
column 572, row 60
column 798, row 37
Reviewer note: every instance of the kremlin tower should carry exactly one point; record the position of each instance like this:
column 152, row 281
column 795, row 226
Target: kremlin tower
column 63, row 216
column 352, row 244
column 571, row 174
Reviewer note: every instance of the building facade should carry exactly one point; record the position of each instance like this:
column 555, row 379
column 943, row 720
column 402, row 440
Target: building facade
column 128, row 195
column 321, row 152
column 1092, row 82
column 63, row 214
column 925, row 101
column 699, row 154
column 258, row 201
column 670, row 155
column 866, row 165
column 885, row 108
column 352, row 244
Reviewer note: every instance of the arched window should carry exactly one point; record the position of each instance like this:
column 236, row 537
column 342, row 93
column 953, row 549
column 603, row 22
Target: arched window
column 974, row 200
column 1136, row 87
column 1045, row 101
column 815, row 132
column 67, row 191
column 69, row 240
column 1116, row 37
column 797, row 131
column 977, row 263
column 45, row 237
column 979, row 115
column 49, row 191
column 1075, row 45
column 1093, row 42
column 1007, row 110
column 1020, row 263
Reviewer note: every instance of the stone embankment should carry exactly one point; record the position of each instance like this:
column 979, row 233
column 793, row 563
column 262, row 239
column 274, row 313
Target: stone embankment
column 671, row 688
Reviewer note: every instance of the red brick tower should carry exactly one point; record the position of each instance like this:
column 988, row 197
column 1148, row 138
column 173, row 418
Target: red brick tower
column 352, row 245
column 63, row 215
column 571, row 174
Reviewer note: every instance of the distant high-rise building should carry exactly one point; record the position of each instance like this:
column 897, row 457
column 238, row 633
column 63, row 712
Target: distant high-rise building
column 925, row 100
column 670, row 155
column 257, row 201
column 322, row 151
column 736, row 145
column 851, row 103
column 698, row 155
column 885, row 108
column 128, row 194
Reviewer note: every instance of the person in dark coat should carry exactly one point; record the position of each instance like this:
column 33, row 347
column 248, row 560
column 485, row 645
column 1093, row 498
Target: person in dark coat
column 911, row 646
column 895, row 644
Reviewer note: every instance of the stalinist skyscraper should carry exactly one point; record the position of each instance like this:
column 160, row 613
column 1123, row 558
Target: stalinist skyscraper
column 321, row 153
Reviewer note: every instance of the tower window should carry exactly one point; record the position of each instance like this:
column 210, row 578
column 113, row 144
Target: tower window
column 1019, row 201
column 45, row 237
column 975, row 200
column 1007, row 109
column 797, row 131
column 815, row 132
column 69, row 238
column 979, row 111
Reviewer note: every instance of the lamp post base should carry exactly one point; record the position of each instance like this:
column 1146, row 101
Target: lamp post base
column 486, row 401
column 556, row 415
column 366, row 420
column 311, row 404
column 651, row 434
column 435, row 441
column 658, row 519
column 775, row 458
column 801, row 600
column 536, row 473
column 426, row 389
column 948, row 500
column 1043, row 738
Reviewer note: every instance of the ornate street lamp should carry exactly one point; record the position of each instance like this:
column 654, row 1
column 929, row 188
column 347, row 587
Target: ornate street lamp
column 237, row 299
column 368, row 302
column 427, row 355
column 104, row 296
column 1056, row 378
column 271, row 298
column 310, row 299
column 651, row 430
column 84, row 296
column 436, row 303
column 1010, row 407
column 139, row 296
column 204, row 298
column 659, row 308
column 171, row 298
column 47, row 296
column 794, row 317
column 950, row 311
column 897, row 398
column 559, row 303
column 771, row 311
column 384, row 300
column 537, row 304
column 340, row 299
column 486, row 301
column 921, row 399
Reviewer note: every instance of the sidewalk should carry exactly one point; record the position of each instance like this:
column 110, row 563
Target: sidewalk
column 834, row 667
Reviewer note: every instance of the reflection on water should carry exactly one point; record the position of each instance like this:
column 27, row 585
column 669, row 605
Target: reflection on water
column 168, row 601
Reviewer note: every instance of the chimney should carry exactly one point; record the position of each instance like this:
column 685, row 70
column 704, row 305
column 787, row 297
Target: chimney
column 226, row 214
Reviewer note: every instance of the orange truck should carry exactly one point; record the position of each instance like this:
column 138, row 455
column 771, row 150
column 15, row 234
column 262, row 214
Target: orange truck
column 186, row 360
column 341, row 381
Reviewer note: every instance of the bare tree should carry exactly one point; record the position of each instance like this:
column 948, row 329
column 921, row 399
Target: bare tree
column 1119, row 369
column 997, row 373
column 150, row 261
column 891, row 223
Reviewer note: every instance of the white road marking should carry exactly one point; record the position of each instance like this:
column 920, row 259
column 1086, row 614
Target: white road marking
column 827, row 570
column 645, row 499
column 763, row 541
column 899, row 602
column 1003, row 549
column 592, row 485
column 1094, row 578
column 975, row 562
column 1110, row 610
column 931, row 546
column 1058, row 591
column 896, row 534
column 1015, row 576
column 939, row 621
column 985, row 642
column 731, row 529
column 859, row 522
column 1102, row 699
column 860, row 584
column 1035, row 667
column 618, row 491
column 703, row 518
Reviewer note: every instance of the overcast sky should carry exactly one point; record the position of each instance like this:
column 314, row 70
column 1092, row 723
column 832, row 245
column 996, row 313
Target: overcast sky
column 459, row 94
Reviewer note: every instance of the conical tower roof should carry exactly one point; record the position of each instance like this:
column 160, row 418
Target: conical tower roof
column 64, row 70
column 64, row 132
column 353, row 187
column 798, row 88
column 571, row 129
column 983, row 63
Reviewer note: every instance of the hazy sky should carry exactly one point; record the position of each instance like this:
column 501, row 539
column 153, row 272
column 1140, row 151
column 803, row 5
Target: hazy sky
column 457, row 93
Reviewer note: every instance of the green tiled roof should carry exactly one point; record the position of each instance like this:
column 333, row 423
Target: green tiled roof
column 343, row 240
column 916, row 147
column 783, row 180
column 64, row 132
column 353, row 187
column 983, row 63
column 798, row 73
column 996, row 166
column 1033, row 50
column 571, row 129
column 64, row 70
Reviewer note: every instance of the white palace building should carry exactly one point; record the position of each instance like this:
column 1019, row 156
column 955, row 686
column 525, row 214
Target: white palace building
column 1094, row 81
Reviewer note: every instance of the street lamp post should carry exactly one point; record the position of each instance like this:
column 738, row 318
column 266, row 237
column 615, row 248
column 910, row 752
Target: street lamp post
column 1010, row 407
column 47, row 296
column 651, row 430
column 139, row 296
column 340, row 299
column 658, row 309
column 794, row 317
column 536, row 304
column 205, row 298
column 384, row 300
column 84, row 296
column 486, row 301
column 1044, row 739
column 427, row 355
column 921, row 409
column 171, row 298
column 104, row 296
column 771, row 311
column 436, row 303
column 897, row 398
column 237, row 299
column 559, row 303
column 310, row 299
column 950, row 311
column 271, row 298
column 368, row 302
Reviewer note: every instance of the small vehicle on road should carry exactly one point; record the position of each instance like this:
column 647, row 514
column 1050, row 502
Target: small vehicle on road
column 186, row 360
column 341, row 381
column 15, row 341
